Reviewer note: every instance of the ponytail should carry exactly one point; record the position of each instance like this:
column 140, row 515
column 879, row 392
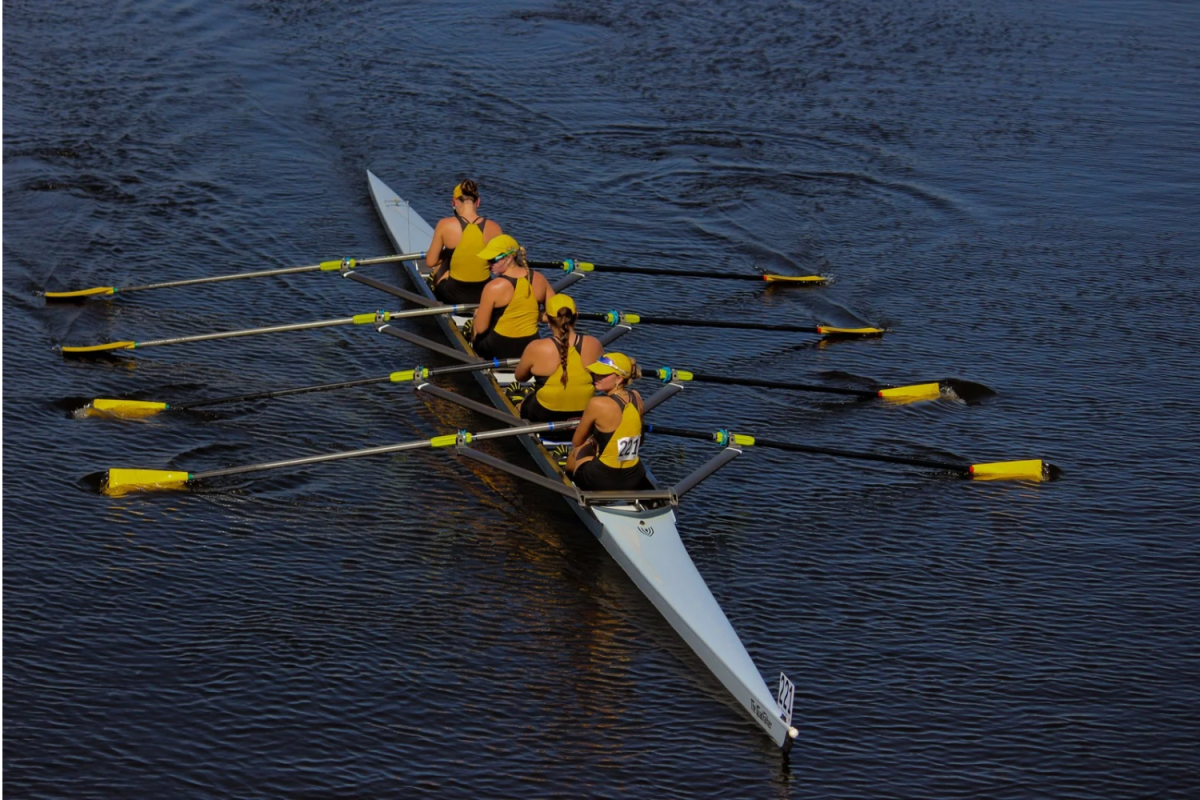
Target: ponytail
column 635, row 372
column 519, row 257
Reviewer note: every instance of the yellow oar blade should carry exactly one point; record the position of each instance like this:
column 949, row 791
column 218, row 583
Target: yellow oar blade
column 81, row 293
column 126, row 409
column 1032, row 470
column 123, row 481
column 912, row 394
column 99, row 348
column 827, row 330
column 795, row 279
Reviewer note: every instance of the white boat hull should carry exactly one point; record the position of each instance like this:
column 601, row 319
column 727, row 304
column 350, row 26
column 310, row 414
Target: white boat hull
column 645, row 543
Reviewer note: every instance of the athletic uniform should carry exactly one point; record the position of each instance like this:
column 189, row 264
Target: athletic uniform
column 468, row 272
column 552, row 401
column 617, row 467
column 513, row 326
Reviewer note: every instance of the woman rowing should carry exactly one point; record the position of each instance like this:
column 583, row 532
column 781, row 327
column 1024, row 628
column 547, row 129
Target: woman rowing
column 604, row 452
column 461, row 274
column 563, row 385
column 510, row 307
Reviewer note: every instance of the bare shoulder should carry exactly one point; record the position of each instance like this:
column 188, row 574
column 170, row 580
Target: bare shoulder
column 540, row 347
column 494, row 289
column 491, row 229
column 591, row 350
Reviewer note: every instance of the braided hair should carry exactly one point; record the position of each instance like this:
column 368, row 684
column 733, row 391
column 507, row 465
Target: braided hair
column 563, row 323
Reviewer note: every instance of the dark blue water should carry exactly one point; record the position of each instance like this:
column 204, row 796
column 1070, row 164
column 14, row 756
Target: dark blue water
column 1011, row 187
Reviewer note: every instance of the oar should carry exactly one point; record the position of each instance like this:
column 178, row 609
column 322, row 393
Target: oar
column 144, row 408
column 116, row 482
column 1031, row 470
column 618, row 317
column 895, row 394
column 571, row 265
column 325, row 266
column 358, row 319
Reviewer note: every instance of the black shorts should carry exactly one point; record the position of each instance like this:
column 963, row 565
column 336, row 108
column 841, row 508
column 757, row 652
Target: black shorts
column 534, row 411
column 596, row 476
column 455, row 292
column 493, row 345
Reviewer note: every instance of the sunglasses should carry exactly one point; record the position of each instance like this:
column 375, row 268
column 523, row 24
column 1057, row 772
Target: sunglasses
column 494, row 261
column 608, row 362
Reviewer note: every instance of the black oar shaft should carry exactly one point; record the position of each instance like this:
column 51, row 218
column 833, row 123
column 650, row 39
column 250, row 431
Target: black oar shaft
column 710, row 323
column 795, row 447
column 680, row 273
column 767, row 384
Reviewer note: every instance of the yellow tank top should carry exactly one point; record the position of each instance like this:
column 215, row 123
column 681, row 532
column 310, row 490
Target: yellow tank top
column 465, row 264
column 575, row 396
column 520, row 317
column 621, row 449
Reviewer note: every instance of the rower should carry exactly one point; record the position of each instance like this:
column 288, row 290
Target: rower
column 563, row 384
column 461, row 274
column 507, row 318
column 604, row 453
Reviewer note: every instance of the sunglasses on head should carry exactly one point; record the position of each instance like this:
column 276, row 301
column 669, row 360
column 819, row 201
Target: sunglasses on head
column 610, row 363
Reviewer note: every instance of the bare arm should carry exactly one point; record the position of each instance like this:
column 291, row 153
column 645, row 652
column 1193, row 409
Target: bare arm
column 591, row 350
column 582, row 432
column 524, row 370
column 547, row 291
column 433, row 256
column 484, row 313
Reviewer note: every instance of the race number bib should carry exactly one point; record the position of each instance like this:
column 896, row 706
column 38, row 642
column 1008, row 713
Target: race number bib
column 627, row 448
